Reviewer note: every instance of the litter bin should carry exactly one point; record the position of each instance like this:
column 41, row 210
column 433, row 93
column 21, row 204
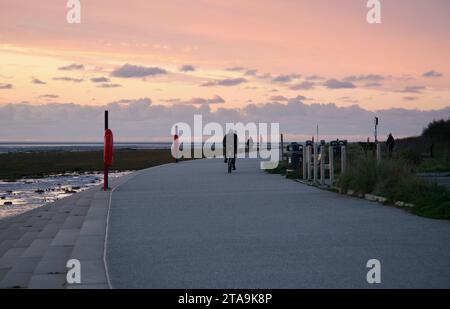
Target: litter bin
column 337, row 144
column 343, row 143
column 294, row 153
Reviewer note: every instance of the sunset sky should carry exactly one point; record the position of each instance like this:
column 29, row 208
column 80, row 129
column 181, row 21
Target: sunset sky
column 156, row 62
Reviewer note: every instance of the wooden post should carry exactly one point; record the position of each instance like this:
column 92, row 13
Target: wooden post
column 378, row 152
column 282, row 147
column 315, row 158
column 308, row 162
column 331, row 163
column 322, row 164
column 343, row 159
column 304, row 161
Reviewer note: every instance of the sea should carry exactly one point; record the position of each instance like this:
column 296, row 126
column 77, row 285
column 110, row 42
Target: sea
column 11, row 147
column 8, row 147
column 25, row 194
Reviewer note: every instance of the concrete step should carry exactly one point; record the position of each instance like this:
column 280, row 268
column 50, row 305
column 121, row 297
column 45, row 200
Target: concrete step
column 35, row 246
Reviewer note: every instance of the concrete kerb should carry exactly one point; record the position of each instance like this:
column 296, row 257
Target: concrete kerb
column 369, row 197
column 120, row 181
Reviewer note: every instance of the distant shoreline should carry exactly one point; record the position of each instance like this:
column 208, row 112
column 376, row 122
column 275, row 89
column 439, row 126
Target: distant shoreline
column 14, row 147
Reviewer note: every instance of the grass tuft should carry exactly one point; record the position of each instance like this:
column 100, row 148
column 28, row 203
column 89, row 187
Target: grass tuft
column 395, row 180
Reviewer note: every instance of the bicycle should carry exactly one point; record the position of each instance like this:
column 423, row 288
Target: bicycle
column 230, row 158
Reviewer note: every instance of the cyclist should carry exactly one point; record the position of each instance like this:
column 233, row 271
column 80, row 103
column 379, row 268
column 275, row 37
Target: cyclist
column 230, row 145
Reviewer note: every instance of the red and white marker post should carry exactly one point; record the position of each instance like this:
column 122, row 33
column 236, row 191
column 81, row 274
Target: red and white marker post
column 176, row 144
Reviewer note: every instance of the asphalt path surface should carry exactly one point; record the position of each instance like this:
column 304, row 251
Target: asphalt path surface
column 193, row 225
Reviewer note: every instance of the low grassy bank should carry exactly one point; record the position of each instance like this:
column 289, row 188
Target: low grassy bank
column 429, row 152
column 41, row 164
column 395, row 180
column 434, row 165
column 395, row 177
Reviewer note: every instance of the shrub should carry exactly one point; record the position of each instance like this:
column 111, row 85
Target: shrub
column 412, row 157
column 361, row 177
column 434, row 202
column 434, row 165
column 394, row 180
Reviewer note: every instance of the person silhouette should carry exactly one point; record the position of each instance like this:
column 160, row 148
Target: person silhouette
column 230, row 144
column 390, row 143
column 249, row 144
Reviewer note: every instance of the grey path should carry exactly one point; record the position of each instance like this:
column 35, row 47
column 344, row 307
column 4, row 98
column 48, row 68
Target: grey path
column 442, row 179
column 35, row 246
column 192, row 225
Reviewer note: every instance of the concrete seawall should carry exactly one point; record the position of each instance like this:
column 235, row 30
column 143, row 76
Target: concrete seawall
column 35, row 246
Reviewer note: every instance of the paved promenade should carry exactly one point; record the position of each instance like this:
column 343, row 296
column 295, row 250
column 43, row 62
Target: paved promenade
column 35, row 246
column 192, row 225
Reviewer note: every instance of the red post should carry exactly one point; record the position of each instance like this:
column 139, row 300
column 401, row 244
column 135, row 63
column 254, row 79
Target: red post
column 107, row 152
column 105, row 167
column 105, row 178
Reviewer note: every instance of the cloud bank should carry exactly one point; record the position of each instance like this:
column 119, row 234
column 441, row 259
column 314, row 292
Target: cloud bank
column 100, row 79
column 37, row 81
column 337, row 84
column 72, row 67
column 68, row 79
column 432, row 73
column 142, row 120
column 109, row 85
column 49, row 96
column 187, row 68
column 227, row 82
column 197, row 101
column 367, row 78
column 131, row 71
column 6, row 86
column 306, row 85
column 413, row 89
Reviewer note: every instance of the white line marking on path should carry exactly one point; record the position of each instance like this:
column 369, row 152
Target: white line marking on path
column 108, row 280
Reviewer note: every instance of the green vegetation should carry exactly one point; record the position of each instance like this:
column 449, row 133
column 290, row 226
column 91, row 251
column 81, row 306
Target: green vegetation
column 395, row 180
column 429, row 152
column 395, row 177
column 434, row 165
column 41, row 164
